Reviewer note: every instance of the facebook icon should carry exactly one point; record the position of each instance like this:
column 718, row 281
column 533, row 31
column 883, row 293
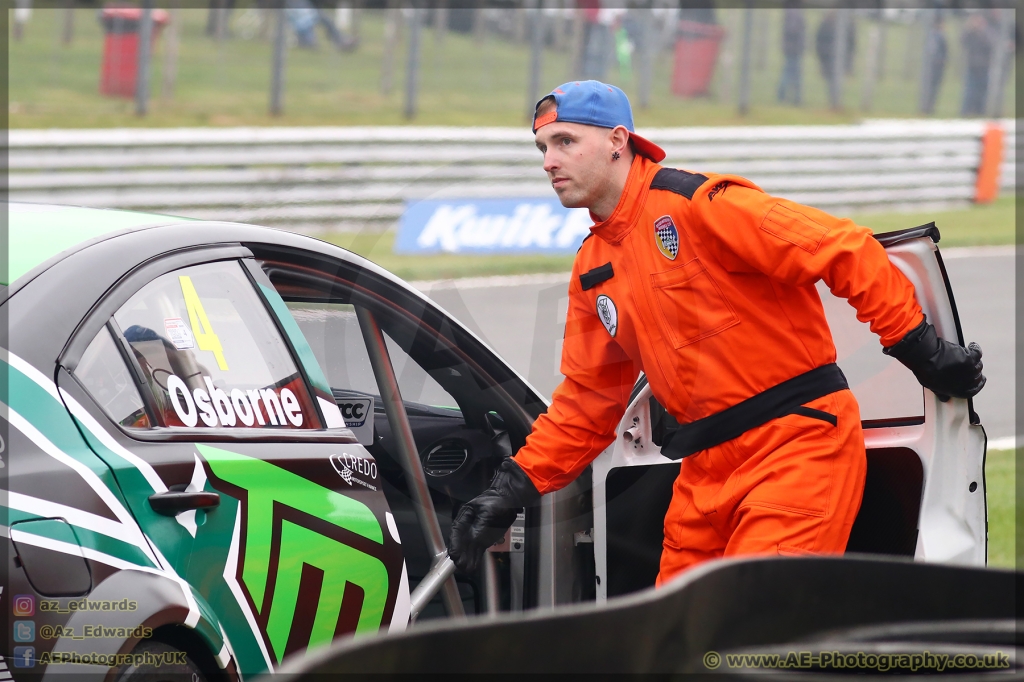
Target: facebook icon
column 24, row 657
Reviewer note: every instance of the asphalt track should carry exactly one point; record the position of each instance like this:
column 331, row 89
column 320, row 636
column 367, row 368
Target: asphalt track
column 522, row 319
column 982, row 279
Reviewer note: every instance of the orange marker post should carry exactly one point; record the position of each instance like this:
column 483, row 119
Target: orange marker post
column 987, row 186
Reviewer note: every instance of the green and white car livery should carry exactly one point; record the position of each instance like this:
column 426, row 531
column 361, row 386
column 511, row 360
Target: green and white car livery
column 177, row 466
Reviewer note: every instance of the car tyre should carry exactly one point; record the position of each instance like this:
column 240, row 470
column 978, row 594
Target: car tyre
column 148, row 670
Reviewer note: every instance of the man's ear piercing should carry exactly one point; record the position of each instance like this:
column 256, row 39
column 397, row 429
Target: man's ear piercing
column 615, row 156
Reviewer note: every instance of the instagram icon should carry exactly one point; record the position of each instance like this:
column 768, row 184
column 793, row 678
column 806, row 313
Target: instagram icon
column 24, row 605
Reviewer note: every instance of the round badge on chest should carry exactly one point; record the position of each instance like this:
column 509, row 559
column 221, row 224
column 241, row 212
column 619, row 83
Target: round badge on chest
column 607, row 312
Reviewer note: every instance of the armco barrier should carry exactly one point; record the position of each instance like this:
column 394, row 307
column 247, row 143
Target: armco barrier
column 317, row 179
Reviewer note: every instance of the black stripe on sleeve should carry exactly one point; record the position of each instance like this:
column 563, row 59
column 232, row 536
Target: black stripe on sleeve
column 680, row 182
column 590, row 279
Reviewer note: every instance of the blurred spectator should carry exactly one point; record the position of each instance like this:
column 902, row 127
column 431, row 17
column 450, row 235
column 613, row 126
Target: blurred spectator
column 1014, row 35
column 825, row 44
column 1004, row 32
column 794, row 38
column 304, row 17
column 624, row 48
column 598, row 38
column 935, row 53
column 977, row 39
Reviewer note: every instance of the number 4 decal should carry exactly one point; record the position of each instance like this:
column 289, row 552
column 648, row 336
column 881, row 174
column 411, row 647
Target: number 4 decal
column 206, row 339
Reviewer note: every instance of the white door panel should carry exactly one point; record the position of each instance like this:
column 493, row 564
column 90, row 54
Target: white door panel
column 901, row 420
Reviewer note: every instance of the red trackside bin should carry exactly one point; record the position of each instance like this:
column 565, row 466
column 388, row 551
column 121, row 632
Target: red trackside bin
column 696, row 55
column 121, row 48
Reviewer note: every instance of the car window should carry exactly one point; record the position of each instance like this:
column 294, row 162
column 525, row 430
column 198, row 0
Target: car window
column 105, row 376
column 414, row 381
column 332, row 330
column 212, row 355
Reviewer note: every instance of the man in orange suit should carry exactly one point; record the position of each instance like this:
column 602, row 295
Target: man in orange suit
column 707, row 284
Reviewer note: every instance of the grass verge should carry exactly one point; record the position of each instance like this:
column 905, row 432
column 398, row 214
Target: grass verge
column 1001, row 483
column 982, row 225
column 977, row 225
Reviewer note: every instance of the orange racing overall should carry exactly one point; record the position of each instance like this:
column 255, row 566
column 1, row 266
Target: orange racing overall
column 707, row 285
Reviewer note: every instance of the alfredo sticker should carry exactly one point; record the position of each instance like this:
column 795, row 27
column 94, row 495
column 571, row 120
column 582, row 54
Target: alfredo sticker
column 356, row 470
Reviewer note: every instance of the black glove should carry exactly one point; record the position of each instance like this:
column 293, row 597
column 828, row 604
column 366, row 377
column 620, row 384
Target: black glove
column 947, row 369
column 485, row 519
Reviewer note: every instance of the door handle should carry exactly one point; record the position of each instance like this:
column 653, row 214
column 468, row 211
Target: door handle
column 172, row 503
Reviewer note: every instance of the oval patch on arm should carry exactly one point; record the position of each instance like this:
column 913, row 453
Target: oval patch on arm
column 794, row 227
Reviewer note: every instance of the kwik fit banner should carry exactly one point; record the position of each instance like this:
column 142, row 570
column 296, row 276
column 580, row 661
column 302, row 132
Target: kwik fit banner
column 491, row 226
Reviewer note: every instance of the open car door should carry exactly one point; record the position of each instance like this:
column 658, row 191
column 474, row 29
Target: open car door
column 925, row 490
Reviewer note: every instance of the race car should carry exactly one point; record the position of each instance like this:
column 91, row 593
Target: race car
column 226, row 445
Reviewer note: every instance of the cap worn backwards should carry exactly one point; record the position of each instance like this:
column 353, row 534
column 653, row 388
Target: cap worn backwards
column 595, row 104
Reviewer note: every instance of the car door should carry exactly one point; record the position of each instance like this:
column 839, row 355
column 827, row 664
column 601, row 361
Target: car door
column 925, row 490
column 465, row 410
column 230, row 460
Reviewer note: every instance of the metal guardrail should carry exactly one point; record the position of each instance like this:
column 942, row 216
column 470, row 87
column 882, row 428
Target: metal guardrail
column 319, row 179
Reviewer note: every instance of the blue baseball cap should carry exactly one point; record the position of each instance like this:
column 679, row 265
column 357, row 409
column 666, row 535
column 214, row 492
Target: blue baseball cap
column 594, row 103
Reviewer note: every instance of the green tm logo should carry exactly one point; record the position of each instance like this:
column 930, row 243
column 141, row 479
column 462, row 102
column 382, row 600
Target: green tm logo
column 308, row 563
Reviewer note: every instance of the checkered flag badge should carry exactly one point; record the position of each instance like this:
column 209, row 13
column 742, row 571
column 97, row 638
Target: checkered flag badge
column 668, row 236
